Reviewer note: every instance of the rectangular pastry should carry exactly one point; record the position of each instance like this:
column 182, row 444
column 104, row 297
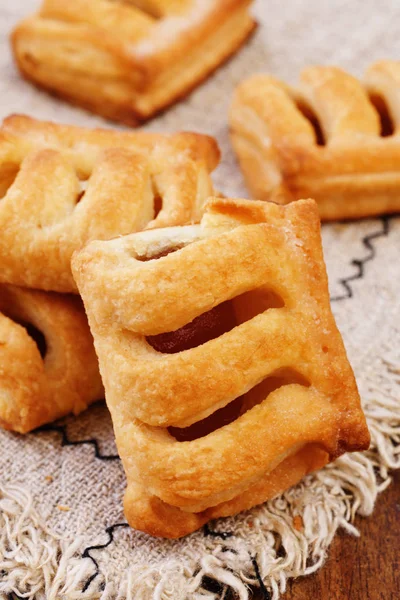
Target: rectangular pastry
column 332, row 138
column 48, row 365
column 128, row 59
column 62, row 186
column 224, row 371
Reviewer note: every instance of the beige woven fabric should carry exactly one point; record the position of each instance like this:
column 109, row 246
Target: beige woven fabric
column 56, row 501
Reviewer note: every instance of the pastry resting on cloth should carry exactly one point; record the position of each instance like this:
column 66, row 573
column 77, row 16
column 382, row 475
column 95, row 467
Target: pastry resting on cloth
column 48, row 365
column 62, row 186
column 332, row 138
column 128, row 59
column 225, row 374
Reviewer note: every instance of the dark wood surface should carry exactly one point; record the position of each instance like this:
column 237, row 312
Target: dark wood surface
column 364, row 568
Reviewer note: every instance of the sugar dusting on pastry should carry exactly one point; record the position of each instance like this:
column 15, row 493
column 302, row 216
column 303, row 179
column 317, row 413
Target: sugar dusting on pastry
column 170, row 28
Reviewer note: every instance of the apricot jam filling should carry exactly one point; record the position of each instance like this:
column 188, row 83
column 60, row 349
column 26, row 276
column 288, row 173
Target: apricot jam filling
column 202, row 329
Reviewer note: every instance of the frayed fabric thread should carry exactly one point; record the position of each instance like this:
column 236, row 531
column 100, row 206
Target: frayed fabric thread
column 34, row 561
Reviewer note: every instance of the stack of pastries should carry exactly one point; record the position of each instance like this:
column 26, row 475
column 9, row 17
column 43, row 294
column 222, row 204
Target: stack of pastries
column 223, row 369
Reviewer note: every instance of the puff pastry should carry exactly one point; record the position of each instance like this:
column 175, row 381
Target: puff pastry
column 128, row 59
column 48, row 365
column 62, row 186
column 225, row 374
column 332, row 138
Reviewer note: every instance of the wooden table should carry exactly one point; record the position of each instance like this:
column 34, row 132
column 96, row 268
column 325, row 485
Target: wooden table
column 364, row 568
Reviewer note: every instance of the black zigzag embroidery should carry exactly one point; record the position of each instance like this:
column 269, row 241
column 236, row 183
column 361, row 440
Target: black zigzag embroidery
column 65, row 441
column 359, row 264
column 86, row 553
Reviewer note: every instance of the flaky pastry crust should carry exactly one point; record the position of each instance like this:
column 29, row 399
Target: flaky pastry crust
column 282, row 356
column 332, row 138
column 48, row 365
column 128, row 60
column 63, row 186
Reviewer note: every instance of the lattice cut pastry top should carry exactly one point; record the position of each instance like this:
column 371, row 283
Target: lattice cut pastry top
column 128, row 59
column 48, row 366
column 63, row 186
column 332, row 138
column 224, row 323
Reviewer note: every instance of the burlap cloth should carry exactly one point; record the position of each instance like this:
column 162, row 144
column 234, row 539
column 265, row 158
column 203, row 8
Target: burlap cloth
column 62, row 532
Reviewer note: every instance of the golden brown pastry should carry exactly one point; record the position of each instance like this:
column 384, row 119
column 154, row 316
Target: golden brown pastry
column 48, row 365
column 127, row 60
column 62, row 186
column 225, row 374
column 332, row 138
